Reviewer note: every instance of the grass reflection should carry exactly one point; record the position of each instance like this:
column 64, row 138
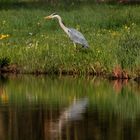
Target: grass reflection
column 116, row 97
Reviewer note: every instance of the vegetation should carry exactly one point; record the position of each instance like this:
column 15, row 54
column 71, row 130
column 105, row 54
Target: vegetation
column 29, row 44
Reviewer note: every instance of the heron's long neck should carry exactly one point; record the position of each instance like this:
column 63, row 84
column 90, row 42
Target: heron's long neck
column 61, row 24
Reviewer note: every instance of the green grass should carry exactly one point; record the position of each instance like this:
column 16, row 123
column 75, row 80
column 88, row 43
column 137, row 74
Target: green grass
column 36, row 45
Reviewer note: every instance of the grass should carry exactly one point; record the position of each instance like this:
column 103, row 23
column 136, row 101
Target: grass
column 32, row 44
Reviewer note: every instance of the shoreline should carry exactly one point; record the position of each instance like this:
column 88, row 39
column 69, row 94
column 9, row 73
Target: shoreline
column 109, row 75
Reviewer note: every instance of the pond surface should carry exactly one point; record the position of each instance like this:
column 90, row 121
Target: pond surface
column 68, row 108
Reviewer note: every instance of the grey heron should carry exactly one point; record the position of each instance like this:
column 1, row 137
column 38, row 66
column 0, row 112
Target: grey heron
column 73, row 34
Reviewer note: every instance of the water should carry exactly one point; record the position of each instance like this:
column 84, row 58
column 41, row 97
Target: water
column 68, row 108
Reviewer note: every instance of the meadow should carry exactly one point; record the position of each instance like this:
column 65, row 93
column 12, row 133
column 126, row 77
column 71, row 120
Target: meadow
column 30, row 44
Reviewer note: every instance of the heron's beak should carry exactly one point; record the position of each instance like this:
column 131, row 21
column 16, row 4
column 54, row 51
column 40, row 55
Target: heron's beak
column 48, row 17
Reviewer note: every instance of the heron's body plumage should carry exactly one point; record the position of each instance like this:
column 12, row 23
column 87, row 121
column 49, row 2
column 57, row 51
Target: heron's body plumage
column 77, row 37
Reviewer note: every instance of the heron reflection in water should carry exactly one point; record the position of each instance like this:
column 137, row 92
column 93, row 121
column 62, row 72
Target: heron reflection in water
column 72, row 113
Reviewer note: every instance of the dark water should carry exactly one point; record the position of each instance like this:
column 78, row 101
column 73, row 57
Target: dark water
column 68, row 108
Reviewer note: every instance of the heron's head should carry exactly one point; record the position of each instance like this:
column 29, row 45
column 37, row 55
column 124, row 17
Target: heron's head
column 51, row 16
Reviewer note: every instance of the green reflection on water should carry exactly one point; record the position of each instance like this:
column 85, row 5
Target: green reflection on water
column 114, row 97
column 68, row 108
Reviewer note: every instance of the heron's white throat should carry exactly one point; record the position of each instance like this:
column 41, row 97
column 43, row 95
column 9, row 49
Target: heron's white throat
column 61, row 23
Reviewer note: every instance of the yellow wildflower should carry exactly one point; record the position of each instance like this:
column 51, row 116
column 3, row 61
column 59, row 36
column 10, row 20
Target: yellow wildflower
column 2, row 36
column 125, row 27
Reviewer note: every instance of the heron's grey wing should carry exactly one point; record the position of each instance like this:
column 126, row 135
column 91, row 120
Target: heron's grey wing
column 77, row 37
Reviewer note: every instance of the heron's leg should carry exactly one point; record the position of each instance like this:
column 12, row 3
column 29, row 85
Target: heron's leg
column 74, row 45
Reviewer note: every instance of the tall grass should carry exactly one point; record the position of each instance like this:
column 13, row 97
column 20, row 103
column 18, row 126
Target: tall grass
column 36, row 45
